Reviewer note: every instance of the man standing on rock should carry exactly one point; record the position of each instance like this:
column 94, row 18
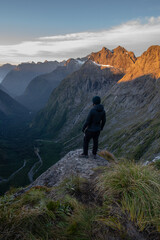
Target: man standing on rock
column 92, row 127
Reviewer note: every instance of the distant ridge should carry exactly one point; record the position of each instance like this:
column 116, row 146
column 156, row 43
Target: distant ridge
column 39, row 89
column 4, row 69
column 9, row 107
column 18, row 79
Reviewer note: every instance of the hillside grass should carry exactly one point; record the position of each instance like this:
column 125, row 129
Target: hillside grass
column 119, row 202
column 135, row 189
column 139, row 141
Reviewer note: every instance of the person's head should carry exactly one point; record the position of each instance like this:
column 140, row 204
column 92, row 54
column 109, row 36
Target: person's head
column 96, row 100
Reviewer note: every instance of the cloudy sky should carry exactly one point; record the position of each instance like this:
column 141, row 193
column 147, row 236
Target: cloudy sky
column 39, row 30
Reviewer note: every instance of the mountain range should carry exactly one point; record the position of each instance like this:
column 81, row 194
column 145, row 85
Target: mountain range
column 39, row 89
column 16, row 81
column 129, row 88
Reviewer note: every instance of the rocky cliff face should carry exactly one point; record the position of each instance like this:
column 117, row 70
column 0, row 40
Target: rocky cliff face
column 133, row 118
column 134, row 109
column 147, row 64
column 119, row 58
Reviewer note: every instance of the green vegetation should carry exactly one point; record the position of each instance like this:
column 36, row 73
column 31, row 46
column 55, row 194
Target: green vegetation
column 13, row 153
column 157, row 164
column 136, row 191
column 19, row 179
column 120, row 202
column 138, row 141
column 50, row 154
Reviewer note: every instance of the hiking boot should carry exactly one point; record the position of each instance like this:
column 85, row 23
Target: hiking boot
column 82, row 155
column 94, row 156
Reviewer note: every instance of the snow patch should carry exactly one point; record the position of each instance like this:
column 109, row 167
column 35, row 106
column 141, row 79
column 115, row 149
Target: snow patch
column 80, row 61
column 102, row 65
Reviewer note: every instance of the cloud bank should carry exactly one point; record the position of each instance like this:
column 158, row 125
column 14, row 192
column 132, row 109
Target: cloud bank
column 135, row 36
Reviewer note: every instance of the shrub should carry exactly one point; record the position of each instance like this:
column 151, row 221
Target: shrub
column 107, row 155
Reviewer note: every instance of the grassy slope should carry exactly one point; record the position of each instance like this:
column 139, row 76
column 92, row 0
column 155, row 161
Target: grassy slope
column 120, row 202
column 137, row 141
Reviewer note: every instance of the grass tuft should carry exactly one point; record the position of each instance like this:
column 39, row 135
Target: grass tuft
column 108, row 156
column 136, row 191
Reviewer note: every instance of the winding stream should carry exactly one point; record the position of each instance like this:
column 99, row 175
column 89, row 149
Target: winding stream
column 13, row 174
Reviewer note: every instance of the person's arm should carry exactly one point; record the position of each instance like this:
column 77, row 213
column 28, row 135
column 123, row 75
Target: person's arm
column 88, row 121
column 103, row 121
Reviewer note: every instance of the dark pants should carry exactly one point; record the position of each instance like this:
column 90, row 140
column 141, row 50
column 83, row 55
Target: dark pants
column 88, row 136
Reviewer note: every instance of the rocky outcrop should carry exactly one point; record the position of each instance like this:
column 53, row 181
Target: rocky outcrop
column 70, row 165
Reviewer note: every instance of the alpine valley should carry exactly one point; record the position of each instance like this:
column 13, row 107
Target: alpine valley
column 43, row 107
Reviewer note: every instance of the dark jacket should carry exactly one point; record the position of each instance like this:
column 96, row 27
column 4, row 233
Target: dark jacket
column 96, row 119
